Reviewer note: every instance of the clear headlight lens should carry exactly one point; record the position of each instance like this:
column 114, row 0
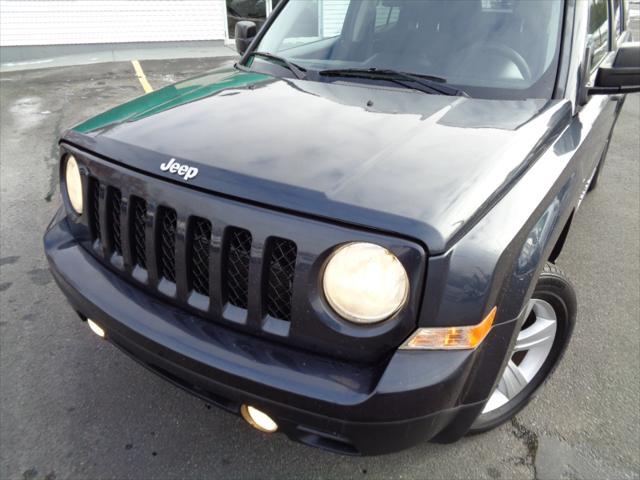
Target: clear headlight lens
column 365, row 283
column 73, row 180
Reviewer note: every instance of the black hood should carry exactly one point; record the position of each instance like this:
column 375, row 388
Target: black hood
column 397, row 160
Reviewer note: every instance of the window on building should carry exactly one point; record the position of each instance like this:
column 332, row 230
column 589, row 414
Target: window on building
column 598, row 30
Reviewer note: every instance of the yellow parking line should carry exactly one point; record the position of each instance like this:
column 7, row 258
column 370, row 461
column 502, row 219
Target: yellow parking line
column 146, row 86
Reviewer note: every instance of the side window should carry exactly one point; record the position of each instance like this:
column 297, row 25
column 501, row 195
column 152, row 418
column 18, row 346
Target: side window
column 617, row 17
column 386, row 15
column 625, row 17
column 598, row 30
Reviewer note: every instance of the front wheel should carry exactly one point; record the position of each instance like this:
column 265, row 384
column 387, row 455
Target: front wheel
column 542, row 339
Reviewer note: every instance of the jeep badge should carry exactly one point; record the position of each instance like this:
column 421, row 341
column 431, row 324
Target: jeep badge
column 185, row 171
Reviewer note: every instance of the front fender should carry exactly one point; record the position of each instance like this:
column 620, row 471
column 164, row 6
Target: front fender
column 498, row 261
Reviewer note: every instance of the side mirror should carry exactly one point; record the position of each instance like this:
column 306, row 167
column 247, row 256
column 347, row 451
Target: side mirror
column 245, row 33
column 619, row 72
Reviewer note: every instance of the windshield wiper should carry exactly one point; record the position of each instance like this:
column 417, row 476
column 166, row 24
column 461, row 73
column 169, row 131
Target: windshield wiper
column 297, row 70
column 424, row 83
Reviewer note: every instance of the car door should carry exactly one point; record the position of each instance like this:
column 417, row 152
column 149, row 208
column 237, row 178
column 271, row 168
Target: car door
column 598, row 115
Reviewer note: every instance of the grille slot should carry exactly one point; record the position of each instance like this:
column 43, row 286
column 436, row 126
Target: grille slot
column 168, row 223
column 138, row 232
column 94, row 210
column 115, row 210
column 200, row 240
column 238, row 255
column 282, row 264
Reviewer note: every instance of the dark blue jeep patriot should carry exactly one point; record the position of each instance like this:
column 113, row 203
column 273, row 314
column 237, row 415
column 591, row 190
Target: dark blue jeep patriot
column 349, row 235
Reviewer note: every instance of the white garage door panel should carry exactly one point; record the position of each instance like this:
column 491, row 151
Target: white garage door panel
column 333, row 14
column 56, row 22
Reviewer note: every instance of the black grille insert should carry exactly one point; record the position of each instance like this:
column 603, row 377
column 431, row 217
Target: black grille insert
column 138, row 232
column 200, row 233
column 238, row 256
column 116, row 209
column 168, row 224
column 282, row 265
column 94, row 208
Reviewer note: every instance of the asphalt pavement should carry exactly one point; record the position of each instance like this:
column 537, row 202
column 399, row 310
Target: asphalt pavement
column 73, row 406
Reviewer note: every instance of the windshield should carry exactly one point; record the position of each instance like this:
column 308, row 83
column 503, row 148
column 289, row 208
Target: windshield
column 489, row 48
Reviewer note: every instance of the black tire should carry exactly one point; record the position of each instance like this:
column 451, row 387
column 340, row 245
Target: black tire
column 555, row 288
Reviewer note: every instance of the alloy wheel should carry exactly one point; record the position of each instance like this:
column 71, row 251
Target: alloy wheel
column 532, row 347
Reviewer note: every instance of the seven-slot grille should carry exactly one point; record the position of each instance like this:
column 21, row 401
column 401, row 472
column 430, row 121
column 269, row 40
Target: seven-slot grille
column 153, row 243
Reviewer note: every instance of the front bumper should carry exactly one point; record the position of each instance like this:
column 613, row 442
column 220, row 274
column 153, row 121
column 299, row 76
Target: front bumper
column 348, row 408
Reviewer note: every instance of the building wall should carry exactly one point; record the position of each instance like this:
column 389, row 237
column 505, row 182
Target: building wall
column 333, row 13
column 72, row 22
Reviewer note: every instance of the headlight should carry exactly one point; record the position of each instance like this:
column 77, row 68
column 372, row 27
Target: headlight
column 73, row 181
column 365, row 283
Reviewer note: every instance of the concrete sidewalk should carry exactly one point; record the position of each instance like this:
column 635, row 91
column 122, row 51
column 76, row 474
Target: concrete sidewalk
column 30, row 58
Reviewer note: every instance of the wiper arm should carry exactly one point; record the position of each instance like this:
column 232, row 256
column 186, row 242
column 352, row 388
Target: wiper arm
column 428, row 83
column 297, row 70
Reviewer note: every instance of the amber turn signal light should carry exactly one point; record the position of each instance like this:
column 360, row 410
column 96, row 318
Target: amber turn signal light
column 451, row 338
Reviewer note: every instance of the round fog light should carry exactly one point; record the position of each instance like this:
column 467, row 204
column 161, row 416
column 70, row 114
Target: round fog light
column 73, row 181
column 258, row 419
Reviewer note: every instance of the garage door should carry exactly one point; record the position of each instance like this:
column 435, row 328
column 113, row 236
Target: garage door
column 57, row 22
column 333, row 14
